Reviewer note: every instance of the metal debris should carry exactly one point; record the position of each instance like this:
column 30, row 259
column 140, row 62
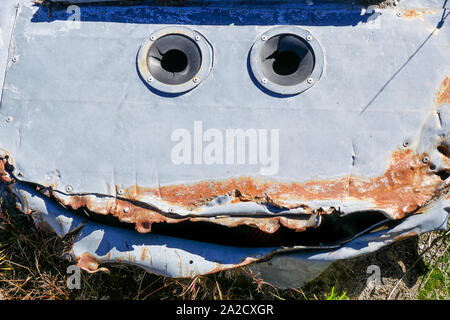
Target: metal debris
column 86, row 144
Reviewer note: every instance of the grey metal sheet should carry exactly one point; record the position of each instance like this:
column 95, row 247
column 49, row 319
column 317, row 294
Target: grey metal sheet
column 79, row 123
column 83, row 93
column 7, row 20
column 175, row 257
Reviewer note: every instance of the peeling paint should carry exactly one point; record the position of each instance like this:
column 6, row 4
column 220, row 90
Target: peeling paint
column 89, row 263
column 4, row 175
column 407, row 185
column 405, row 236
column 391, row 191
column 417, row 14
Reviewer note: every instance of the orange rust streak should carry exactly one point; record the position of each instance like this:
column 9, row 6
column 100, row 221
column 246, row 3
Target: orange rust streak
column 413, row 14
column 405, row 236
column 4, row 176
column 144, row 218
column 88, row 262
column 221, row 267
column 144, row 254
column 443, row 95
column 125, row 211
column 405, row 186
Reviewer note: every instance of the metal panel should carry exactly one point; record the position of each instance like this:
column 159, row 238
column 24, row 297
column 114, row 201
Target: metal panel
column 7, row 20
column 175, row 257
column 83, row 127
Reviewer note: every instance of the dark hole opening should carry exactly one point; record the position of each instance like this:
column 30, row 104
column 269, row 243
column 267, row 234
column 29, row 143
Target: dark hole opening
column 333, row 229
column 174, row 61
column 286, row 63
column 443, row 174
column 444, row 149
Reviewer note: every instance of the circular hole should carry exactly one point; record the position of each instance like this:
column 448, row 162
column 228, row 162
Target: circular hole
column 174, row 61
column 286, row 60
column 286, row 63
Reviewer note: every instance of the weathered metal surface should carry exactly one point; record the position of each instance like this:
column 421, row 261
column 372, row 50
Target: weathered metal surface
column 169, row 256
column 370, row 136
column 407, row 185
column 443, row 95
column 282, row 271
column 7, row 19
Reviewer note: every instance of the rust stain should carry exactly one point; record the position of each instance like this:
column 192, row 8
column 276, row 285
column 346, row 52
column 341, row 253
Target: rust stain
column 443, row 94
column 144, row 218
column 88, row 262
column 406, row 186
column 124, row 210
column 4, row 175
column 220, row 267
column 144, row 254
column 414, row 14
column 405, row 236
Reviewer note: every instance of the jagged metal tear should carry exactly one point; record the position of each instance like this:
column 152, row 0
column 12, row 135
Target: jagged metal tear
column 175, row 257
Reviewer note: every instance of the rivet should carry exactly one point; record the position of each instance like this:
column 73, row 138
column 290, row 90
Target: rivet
column 195, row 80
column 152, row 38
column 197, row 38
column 425, row 159
column 120, row 191
column 399, row 14
column 264, row 38
column 309, row 38
column 310, row 80
column 405, row 143
column 264, row 80
column 9, row 119
column 69, row 188
column 15, row 59
column 149, row 79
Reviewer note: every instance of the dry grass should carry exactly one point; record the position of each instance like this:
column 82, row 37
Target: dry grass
column 33, row 265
